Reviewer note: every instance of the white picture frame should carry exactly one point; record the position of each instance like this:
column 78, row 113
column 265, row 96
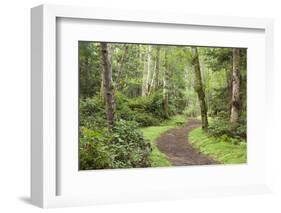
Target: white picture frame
column 45, row 178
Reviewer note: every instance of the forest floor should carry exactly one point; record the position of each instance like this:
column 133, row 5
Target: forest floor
column 174, row 144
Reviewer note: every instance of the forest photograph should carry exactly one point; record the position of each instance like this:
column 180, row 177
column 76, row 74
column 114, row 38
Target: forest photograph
column 148, row 105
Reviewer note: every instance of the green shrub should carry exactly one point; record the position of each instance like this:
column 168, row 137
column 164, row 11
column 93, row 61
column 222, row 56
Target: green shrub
column 152, row 104
column 123, row 147
column 178, row 102
column 90, row 106
column 191, row 111
column 124, row 112
column 130, row 147
column 136, row 110
column 173, row 110
column 223, row 128
column 219, row 106
column 146, row 111
column 94, row 150
column 92, row 113
column 145, row 119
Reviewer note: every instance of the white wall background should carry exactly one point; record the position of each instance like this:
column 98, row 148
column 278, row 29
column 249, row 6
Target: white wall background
column 15, row 105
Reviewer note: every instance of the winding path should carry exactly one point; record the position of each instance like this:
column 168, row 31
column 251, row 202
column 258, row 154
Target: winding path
column 174, row 144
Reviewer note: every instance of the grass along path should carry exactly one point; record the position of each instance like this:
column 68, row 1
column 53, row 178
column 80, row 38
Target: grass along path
column 151, row 133
column 216, row 148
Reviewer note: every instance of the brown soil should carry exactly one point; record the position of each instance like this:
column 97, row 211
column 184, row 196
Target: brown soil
column 174, row 144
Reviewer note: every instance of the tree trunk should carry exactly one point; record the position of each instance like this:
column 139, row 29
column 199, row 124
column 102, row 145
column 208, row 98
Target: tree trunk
column 148, row 68
column 121, row 66
column 107, row 84
column 152, row 82
column 157, row 68
column 229, row 90
column 166, row 86
column 145, row 73
column 235, row 100
column 198, row 86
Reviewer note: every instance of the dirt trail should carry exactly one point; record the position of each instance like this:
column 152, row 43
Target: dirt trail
column 174, row 143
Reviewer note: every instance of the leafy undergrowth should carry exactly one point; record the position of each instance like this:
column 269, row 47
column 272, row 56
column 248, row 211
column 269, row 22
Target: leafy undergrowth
column 218, row 148
column 158, row 159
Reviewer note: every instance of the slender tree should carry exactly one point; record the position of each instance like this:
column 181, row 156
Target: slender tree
column 154, row 83
column 107, row 84
column 166, row 85
column 148, row 77
column 235, row 101
column 145, row 73
column 157, row 68
column 229, row 86
column 121, row 65
column 151, row 87
column 198, row 86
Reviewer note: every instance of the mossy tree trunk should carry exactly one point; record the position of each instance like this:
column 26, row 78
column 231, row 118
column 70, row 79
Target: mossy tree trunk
column 229, row 87
column 198, row 86
column 235, row 100
column 107, row 84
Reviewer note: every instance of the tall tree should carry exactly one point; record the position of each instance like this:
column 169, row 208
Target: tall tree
column 120, row 69
column 148, row 77
column 154, row 83
column 107, row 84
column 146, row 71
column 166, row 84
column 157, row 68
column 235, row 101
column 198, row 86
column 151, row 83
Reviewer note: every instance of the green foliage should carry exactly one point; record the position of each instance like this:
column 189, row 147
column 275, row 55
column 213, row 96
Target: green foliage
column 145, row 119
column 92, row 113
column 124, row 147
column 146, row 110
column 191, row 111
column 222, row 128
column 178, row 102
column 90, row 69
column 131, row 149
column 150, row 104
column 95, row 151
column 122, row 110
column 129, row 79
column 219, row 148
column 217, row 58
column 220, row 104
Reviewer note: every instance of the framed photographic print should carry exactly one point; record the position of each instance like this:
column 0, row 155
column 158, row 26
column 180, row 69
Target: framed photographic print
column 130, row 106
